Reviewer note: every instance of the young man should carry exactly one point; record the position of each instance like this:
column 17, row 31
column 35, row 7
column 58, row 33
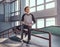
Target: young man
column 27, row 23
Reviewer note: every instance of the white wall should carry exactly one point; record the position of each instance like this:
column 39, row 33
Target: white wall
column 53, row 12
column 46, row 13
column 58, row 13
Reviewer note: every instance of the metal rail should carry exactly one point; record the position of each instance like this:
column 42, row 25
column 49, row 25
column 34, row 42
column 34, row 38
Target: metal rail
column 39, row 30
column 5, row 32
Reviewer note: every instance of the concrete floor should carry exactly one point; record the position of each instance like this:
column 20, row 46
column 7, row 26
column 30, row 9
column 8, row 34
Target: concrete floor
column 35, row 42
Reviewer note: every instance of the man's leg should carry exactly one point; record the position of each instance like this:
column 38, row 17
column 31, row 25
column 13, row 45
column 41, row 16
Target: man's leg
column 22, row 27
column 23, row 31
column 29, row 35
column 21, row 35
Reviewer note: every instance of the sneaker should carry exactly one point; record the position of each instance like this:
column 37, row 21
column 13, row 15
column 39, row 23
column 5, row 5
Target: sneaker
column 27, row 42
column 27, row 45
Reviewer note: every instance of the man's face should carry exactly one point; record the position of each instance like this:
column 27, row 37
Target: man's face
column 28, row 10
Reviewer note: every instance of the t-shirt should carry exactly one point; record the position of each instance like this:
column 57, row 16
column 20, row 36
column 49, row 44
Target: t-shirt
column 28, row 18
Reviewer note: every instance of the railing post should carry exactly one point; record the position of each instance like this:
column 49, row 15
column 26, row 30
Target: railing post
column 8, row 33
column 3, row 35
column 49, row 39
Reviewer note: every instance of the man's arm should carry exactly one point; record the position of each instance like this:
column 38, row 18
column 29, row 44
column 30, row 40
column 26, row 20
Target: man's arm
column 22, row 19
column 33, row 18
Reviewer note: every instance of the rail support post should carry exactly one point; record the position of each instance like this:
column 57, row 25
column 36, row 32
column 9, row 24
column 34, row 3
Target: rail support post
column 50, row 40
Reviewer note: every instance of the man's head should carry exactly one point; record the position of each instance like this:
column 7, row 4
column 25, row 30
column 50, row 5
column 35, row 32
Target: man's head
column 27, row 9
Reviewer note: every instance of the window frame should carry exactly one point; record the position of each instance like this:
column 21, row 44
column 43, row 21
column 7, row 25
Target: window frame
column 37, row 23
column 49, row 3
column 33, row 2
column 50, row 21
column 31, row 8
column 41, row 4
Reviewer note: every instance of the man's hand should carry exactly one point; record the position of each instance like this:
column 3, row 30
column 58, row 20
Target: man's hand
column 30, row 24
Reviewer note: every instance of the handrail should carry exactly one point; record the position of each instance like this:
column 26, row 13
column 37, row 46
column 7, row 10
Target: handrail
column 2, row 33
column 9, row 29
column 40, row 30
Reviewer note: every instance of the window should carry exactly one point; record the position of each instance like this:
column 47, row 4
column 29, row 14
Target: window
column 40, row 2
column 12, row 7
column 34, row 26
column 17, row 23
column 50, row 21
column 40, row 23
column 50, row 5
column 16, row 5
column 12, row 14
column 17, row 13
column 32, row 3
column 19, row 5
column 32, row 9
column 40, row 7
column 48, row 0
column 27, row 2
